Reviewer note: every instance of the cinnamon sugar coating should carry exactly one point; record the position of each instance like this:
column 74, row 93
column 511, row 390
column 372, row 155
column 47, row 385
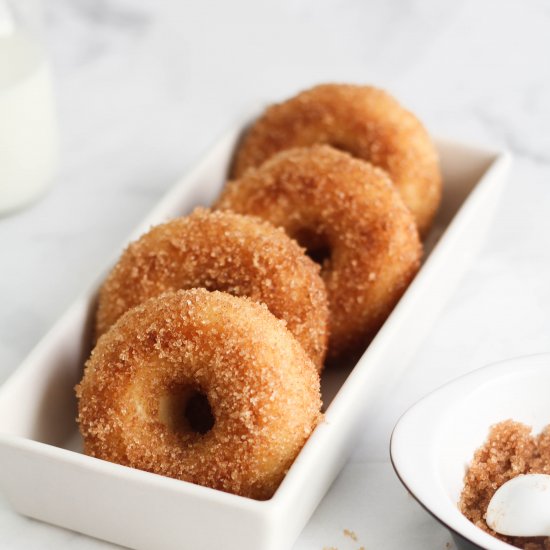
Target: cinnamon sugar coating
column 362, row 120
column 510, row 450
column 345, row 207
column 260, row 386
column 241, row 255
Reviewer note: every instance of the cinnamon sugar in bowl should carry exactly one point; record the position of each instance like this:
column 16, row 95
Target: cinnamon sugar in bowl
column 511, row 449
column 434, row 444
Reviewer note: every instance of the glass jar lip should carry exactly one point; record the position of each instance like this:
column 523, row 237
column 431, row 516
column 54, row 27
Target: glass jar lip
column 22, row 16
column 7, row 20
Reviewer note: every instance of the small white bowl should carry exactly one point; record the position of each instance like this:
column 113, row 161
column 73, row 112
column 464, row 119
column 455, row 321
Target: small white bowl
column 435, row 440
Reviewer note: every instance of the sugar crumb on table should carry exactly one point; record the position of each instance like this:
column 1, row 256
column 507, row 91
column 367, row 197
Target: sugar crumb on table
column 350, row 534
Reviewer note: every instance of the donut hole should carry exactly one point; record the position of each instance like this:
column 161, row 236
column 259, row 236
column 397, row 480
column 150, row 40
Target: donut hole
column 198, row 413
column 320, row 255
column 187, row 410
column 316, row 244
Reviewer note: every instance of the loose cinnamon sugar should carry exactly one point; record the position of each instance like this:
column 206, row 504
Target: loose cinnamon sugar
column 509, row 451
column 350, row 534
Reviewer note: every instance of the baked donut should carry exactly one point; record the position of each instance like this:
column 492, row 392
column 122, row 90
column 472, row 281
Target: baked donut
column 224, row 251
column 349, row 217
column 203, row 387
column 364, row 121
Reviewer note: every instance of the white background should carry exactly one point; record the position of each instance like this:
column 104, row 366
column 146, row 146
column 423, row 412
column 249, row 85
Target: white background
column 145, row 86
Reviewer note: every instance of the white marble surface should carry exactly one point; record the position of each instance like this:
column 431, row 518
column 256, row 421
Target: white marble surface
column 145, row 86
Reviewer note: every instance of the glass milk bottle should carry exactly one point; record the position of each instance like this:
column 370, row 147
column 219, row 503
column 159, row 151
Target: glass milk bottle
column 28, row 124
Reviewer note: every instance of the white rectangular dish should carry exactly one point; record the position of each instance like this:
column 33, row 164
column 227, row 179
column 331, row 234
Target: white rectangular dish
column 44, row 475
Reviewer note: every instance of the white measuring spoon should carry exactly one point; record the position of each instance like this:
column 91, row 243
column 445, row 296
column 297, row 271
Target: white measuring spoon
column 521, row 507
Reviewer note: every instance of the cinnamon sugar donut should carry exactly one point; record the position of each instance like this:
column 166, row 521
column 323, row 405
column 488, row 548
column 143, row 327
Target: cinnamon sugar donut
column 203, row 387
column 364, row 121
column 223, row 251
column 346, row 213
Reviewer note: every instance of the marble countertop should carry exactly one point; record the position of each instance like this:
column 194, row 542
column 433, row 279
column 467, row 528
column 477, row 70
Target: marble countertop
column 145, row 86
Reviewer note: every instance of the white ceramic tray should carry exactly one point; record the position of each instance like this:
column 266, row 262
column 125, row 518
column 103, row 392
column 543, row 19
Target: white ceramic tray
column 44, row 475
column 435, row 440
